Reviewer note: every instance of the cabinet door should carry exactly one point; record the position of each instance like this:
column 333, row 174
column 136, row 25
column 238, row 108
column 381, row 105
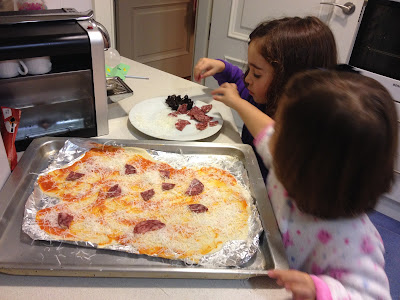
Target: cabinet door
column 158, row 33
column 233, row 20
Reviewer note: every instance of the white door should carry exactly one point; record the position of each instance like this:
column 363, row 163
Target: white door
column 233, row 20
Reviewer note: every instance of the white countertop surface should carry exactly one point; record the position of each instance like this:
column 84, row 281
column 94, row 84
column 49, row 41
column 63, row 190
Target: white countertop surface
column 69, row 288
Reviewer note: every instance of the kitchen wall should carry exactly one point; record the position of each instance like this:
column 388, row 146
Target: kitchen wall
column 79, row 5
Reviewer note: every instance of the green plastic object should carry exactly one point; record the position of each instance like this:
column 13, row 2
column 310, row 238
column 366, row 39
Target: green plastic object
column 119, row 70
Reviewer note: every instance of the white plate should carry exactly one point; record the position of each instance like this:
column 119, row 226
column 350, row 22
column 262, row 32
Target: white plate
column 151, row 117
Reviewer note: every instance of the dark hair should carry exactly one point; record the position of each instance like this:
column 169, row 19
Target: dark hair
column 335, row 142
column 291, row 45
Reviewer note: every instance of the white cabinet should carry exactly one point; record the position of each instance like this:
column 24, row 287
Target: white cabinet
column 390, row 202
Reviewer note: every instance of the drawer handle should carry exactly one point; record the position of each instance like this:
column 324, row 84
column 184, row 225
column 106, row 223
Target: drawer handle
column 348, row 8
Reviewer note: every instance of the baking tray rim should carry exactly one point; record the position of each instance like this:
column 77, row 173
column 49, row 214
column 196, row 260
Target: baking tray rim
column 275, row 244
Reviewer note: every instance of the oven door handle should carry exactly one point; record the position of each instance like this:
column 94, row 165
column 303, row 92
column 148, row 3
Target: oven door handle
column 348, row 8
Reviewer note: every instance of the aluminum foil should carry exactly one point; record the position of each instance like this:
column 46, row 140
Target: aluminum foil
column 233, row 253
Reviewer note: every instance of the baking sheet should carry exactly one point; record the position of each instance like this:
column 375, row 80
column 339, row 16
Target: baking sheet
column 233, row 253
column 19, row 254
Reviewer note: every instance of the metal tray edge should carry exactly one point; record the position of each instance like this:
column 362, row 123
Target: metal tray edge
column 265, row 209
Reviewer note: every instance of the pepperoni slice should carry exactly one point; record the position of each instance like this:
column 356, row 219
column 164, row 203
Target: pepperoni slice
column 206, row 108
column 198, row 208
column 195, row 188
column 64, row 220
column 182, row 109
column 213, row 123
column 114, row 191
column 146, row 195
column 181, row 124
column 165, row 173
column 201, row 117
column 148, row 225
column 201, row 125
column 167, row 186
column 194, row 110
column 129, row 169
column 74, row 176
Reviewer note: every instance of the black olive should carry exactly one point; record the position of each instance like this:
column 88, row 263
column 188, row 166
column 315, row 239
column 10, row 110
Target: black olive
column 173, row 101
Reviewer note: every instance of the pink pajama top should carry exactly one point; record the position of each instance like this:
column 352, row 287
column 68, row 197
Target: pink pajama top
column 343, row 256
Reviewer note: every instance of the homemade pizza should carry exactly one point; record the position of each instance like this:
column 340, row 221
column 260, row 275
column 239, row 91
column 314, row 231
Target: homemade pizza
column 115, row 196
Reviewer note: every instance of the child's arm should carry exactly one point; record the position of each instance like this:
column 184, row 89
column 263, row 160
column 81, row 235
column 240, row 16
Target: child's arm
column 254, row 118
column 310, row 287
column 368, row 281
column 222, row 71
column 206, row 67
column 299, row 283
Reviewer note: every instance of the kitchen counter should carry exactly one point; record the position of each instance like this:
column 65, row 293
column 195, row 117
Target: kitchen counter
column 36, row 287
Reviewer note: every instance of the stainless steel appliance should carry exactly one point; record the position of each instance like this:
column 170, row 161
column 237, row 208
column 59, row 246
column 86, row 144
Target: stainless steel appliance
column 376, row 50
column 376, row 54
column 71, row 98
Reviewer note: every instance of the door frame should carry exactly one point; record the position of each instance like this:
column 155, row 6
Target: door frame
column 104, row 14
column 202, row 30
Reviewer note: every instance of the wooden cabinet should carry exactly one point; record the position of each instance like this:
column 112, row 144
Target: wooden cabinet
column 158, row 33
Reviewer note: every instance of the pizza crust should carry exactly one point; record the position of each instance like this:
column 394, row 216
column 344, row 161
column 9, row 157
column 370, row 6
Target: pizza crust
column 108, row 207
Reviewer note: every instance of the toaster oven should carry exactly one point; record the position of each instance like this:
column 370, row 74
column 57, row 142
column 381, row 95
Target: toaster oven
column 61, row 89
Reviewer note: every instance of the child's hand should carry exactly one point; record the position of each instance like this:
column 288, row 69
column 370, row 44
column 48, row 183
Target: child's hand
column 207, row 67
column 299, row 283
column 227, row 93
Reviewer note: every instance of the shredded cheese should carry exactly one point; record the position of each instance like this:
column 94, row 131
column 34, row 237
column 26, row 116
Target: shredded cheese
column 109, row 221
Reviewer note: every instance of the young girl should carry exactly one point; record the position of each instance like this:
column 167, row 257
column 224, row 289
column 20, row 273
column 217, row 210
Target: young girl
column 277, row 49
column 331, row 155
